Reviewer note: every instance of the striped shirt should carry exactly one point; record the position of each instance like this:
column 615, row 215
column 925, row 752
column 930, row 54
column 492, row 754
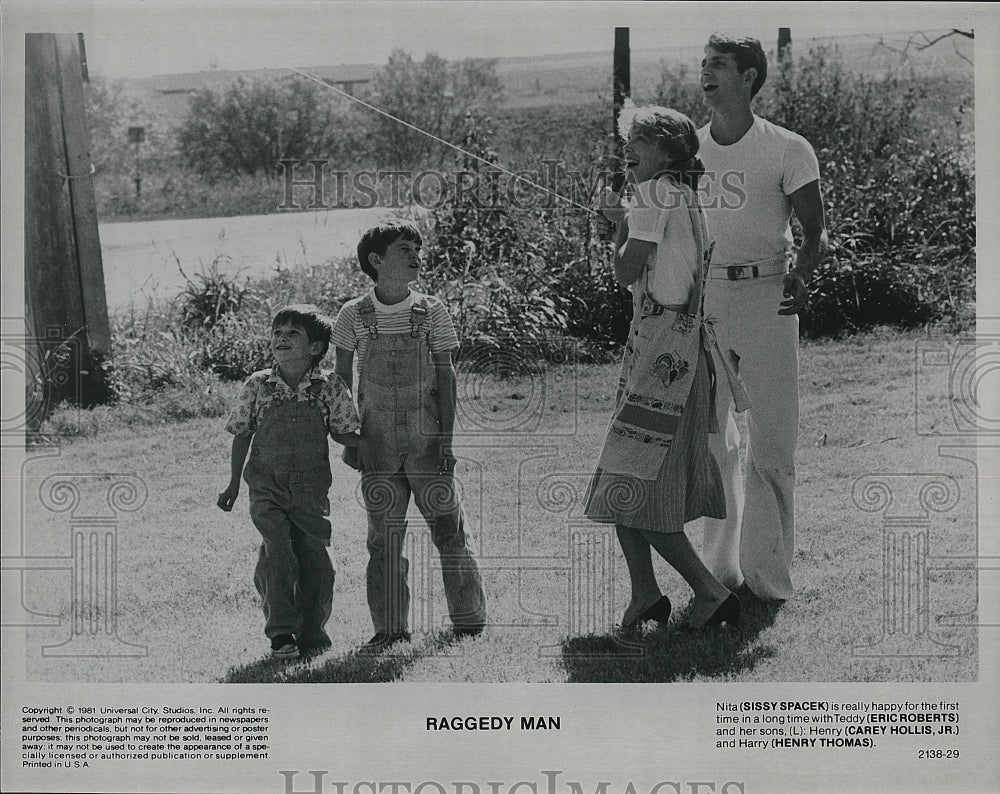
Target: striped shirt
column 349, row 332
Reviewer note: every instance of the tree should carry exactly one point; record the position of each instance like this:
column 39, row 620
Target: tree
column 434, row 95
column 252, row 125
column 111, row 111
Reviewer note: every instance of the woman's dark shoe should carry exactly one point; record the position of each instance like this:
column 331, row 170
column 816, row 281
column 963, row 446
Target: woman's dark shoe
column 660, row 612
column 727, row 612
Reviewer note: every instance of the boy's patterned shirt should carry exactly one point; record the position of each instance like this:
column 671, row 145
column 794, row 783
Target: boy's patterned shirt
column 265, row 388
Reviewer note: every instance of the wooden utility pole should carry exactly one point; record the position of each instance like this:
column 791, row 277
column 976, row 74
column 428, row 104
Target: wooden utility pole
column 621, row 78
column 65, row 300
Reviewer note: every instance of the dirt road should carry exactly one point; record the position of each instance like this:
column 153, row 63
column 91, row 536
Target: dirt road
column 143, row 260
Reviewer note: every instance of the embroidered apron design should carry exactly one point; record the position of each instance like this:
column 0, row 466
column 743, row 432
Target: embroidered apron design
column 658, row 369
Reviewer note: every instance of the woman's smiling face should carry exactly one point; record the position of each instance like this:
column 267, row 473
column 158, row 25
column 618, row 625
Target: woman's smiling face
column 644, row 156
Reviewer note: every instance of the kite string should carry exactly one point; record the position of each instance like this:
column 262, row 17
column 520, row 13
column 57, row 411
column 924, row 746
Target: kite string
column 516, row 176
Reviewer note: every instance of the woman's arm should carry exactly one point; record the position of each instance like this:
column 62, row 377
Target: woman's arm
column 631, row 256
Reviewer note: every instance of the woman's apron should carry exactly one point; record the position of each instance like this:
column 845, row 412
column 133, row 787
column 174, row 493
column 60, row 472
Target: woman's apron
column 658, row 369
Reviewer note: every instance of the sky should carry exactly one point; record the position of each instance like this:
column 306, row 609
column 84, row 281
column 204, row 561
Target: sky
column 131, row 38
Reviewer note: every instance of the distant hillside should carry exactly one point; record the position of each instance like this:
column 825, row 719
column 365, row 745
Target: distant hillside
column 585, row 78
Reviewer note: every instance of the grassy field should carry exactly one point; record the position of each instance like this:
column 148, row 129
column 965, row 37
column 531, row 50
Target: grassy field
column 556, row 582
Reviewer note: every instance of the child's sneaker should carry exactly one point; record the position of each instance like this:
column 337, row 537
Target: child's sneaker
column 283, row 647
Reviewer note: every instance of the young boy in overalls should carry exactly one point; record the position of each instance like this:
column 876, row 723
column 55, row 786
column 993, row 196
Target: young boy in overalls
column 406, row 393
column 287, row 412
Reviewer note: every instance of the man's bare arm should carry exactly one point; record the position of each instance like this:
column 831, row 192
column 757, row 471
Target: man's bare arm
column 807, row 203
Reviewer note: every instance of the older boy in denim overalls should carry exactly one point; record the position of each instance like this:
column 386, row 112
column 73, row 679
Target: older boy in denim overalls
column 287, row 412
column 406, row 399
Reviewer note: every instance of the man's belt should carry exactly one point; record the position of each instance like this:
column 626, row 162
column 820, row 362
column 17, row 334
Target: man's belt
column 766, row 267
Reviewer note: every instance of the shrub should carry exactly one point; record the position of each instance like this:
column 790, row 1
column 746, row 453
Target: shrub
column 900, row 200
column 211, row 295
column 252, row 125
column 238, row 345
column 151, row 352
column 516, row 279
column 679, row 88
column 434, row 95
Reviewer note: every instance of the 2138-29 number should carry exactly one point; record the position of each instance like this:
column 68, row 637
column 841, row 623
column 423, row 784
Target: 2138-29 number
column 937, row 753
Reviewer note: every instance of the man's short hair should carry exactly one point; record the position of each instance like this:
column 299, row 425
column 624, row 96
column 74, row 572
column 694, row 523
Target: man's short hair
column 317, row 325
column 747, row 51
column 380, row 237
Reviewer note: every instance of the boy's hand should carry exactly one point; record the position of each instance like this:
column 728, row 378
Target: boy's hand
column 352, row 457
column 228, row 497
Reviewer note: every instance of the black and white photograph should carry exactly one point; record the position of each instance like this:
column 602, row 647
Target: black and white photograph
column 480, row 397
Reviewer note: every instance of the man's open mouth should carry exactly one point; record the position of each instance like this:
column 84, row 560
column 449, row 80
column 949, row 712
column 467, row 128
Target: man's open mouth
column 708, row 88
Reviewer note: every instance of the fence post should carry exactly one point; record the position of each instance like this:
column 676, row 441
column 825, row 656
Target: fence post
column 621, row 78
column 784, row 42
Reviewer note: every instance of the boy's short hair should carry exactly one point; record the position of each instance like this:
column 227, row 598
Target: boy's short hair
column 748, row 53
column 317, row 325
column 380, row 237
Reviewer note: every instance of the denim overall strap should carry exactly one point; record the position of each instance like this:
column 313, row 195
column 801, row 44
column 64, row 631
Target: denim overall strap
column 418, row 319
column 366, row 309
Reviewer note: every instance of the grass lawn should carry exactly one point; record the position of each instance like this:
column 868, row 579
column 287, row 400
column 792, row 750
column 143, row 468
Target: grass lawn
column 186, row 609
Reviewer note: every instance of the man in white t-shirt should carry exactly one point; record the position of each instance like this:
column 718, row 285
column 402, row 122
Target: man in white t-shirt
column 757, row 174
